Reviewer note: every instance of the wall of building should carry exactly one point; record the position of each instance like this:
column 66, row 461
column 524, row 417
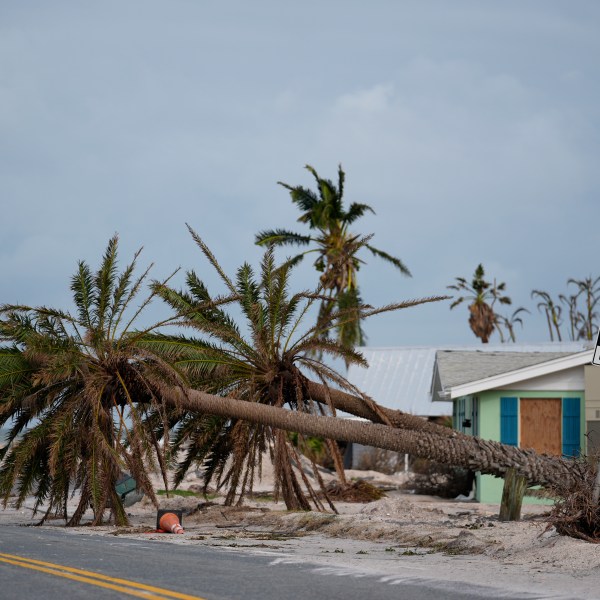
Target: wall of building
column 592, row 408
column 488, row 487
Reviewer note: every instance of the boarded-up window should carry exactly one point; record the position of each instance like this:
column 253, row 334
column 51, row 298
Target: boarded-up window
column 540, row 421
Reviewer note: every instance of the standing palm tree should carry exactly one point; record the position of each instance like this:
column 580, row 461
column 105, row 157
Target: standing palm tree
column 589, row 288
column 483, row 295
column 509, row 323
column 553, row 312
column 336, row 247
column 74, row 388
column 268, row 366
column 575, row 317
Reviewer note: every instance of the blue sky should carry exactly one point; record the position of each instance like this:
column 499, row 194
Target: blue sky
column 471, row 127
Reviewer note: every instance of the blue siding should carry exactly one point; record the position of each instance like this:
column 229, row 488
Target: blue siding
column 509, row 425
column 571, row 408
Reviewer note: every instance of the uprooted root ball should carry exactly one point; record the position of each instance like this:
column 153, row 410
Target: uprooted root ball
column 575, row 513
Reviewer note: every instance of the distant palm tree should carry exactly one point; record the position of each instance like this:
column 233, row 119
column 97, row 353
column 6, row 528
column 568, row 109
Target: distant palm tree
column 589, row 289
column 552, row 310
column 509, row 323
column 74, row 388
column 576, row 318
column 268, row 365
column 336, row 247
column 482, row 296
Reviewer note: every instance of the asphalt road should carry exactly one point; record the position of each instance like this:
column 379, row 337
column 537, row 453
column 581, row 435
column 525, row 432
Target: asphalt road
column 114, row 567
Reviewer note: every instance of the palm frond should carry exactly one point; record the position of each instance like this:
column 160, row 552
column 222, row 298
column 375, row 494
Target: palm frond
column 213, row 261
column 82, row 286
column 391, row 259
column 355, row 211
column 282, row 237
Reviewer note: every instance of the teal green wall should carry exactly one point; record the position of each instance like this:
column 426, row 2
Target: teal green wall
column 489, row 488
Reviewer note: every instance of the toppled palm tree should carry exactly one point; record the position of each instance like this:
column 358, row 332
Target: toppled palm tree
column 482, row 296
column 267, row 365
column 74, row 388
column 336, row 247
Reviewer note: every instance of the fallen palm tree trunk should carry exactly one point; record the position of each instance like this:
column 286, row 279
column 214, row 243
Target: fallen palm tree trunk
column 370, row 410
column 485, row 456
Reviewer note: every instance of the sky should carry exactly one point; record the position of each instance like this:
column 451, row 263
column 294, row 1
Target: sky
column 471, row 127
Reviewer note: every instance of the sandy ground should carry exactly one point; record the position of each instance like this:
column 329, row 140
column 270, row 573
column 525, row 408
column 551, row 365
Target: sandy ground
column 400, row 537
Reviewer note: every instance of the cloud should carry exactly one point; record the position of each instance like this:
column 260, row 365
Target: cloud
column 373, row 100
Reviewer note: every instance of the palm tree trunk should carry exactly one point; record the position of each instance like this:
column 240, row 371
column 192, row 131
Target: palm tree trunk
column 370, row 410
column 474, row 453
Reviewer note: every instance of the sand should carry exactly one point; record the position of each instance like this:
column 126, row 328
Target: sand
column 400, row 537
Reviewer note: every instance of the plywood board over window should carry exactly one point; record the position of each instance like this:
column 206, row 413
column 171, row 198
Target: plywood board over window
column 540, row 425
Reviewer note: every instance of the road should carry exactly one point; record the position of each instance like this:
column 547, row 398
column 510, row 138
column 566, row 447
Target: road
column 53, row 564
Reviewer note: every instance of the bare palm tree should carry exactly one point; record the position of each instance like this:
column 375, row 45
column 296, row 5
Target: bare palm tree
column 589, row 289
column 575, row 316
column 509, row 323
column 482, row 296
column 552, row 310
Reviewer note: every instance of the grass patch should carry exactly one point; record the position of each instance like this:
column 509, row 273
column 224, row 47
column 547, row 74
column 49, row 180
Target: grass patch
column 182, row 493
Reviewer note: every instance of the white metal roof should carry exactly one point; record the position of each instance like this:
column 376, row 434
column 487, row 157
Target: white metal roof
column 401, row 377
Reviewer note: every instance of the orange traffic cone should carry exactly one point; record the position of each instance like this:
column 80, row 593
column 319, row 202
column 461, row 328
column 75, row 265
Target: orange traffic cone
column 169, row 523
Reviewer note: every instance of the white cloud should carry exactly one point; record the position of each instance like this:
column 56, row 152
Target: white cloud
column 375, row 99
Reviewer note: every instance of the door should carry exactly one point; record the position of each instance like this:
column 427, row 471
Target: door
column 541, row 425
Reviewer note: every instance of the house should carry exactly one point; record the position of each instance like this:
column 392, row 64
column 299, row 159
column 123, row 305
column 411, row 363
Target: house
column 546, row 400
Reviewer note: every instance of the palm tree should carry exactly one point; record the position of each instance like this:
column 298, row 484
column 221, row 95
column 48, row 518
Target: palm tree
column 482, row 296
column 589, row 288
column 336, row 247
column 269, row 365
column 74, row 389
column 576, row 318
column 553, row 312
column 509, row 323
column 434, row 442
column 58, row 370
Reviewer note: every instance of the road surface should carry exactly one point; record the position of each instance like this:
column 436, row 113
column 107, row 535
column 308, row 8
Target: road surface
column 53, row 564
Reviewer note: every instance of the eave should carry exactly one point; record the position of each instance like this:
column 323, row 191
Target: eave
column 511, row 377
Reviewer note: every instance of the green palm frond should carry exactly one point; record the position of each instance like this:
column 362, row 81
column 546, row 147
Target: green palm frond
column 82, row 286
column 211, row 259
column 282, row 237
column 104, row 283
column 391, row 259
column 357, row 210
